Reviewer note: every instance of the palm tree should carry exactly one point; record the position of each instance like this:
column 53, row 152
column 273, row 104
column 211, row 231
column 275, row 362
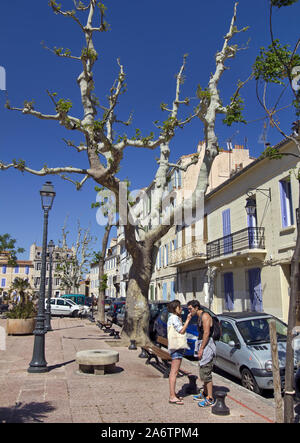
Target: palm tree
column 21, row 286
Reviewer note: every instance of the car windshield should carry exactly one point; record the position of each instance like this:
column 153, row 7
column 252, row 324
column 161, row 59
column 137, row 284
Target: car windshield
column 256, row 330
column 70, row 301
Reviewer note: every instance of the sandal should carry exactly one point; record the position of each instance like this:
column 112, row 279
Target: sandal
column 176, row 402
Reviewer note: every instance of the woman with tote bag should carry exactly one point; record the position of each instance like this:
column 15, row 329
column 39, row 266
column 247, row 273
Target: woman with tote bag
column 177, row 343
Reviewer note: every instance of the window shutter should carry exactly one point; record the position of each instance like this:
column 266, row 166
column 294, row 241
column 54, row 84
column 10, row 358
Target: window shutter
column 165, row 291
column 227, row 231
column 172, row 290
column 228, row 291
column 283, row 203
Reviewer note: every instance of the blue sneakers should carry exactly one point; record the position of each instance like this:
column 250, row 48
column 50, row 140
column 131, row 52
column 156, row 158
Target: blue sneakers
column 198, row 397
column 206, row 402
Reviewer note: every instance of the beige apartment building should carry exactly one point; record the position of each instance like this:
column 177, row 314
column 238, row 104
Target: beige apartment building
column 22, row 269
column 111, row 269
column 35, row 257
column 250, row 254
column 181, row 269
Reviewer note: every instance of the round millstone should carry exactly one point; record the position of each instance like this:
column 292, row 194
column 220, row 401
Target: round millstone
column 97, row 361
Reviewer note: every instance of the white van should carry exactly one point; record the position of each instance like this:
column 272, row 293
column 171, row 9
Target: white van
column 63, row 307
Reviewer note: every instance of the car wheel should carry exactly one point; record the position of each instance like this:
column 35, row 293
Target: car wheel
column 75, row 314
column 249, row 382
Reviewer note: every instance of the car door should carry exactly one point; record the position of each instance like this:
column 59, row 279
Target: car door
column 228, row 357
column 52, row 306
column 61, row 306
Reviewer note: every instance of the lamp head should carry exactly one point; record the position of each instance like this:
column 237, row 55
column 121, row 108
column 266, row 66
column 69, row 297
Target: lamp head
column 47, row 195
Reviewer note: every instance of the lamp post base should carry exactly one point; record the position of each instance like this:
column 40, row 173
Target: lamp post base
column 37, row 369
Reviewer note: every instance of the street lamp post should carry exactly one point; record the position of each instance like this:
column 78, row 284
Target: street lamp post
column 38, row 363
column 51, row 247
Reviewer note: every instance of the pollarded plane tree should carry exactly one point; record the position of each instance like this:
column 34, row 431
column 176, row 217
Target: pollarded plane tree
column 104, row 147
column 72, row 263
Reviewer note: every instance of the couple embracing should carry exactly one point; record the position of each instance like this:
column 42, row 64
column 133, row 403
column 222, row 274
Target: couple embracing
column 205, row 349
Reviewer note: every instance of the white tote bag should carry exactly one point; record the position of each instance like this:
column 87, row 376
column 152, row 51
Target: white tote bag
column 176, row 340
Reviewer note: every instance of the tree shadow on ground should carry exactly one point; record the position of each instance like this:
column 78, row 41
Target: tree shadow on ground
column 26, row 413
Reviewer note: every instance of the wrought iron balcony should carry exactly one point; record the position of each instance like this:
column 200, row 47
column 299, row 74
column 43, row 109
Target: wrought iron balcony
column 245, row 239
column 193, row 251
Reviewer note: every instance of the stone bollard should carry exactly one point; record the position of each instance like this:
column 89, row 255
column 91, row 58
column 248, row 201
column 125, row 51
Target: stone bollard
column 132, row 345
column 143, row 354
column 219, row 407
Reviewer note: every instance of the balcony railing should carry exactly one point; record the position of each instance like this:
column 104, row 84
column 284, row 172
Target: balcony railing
column 249, row 238
column 191, row 251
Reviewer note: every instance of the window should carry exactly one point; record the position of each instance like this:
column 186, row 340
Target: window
column 17, row 270
column 3, row 282
column 60, row 302
column 166, row 255
column 27, row 270
column 38, row 266
column 286, row 203
column 4, row 269
column 228, row 333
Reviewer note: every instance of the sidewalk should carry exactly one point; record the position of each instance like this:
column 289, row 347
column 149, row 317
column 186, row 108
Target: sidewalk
column 136, row 393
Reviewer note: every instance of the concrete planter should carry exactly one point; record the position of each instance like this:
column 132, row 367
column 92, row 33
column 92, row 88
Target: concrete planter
column 20, row 326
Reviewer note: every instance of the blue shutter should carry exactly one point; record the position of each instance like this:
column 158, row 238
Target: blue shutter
column 167, row 255
column 165, row 291
column 179, row 178
column 27, row 270
column 228, row 291
column 4, row 269
column 172, row 290
column 3, row 281
column 255, row 289
column 227, row 231
column 286, row 203
column 283, row 203
column 252, row 232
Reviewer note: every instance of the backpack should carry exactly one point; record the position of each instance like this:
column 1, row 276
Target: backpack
column 216, row 327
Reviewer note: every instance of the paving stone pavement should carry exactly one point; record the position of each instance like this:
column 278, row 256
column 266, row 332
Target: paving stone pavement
column 135, row 393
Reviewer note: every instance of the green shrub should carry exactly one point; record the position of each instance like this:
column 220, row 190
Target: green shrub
column 22, row 311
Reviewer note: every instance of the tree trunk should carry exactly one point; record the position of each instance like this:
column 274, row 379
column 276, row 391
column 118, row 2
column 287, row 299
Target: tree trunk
column 289, row 367
column 136, row 325
column 101, row 293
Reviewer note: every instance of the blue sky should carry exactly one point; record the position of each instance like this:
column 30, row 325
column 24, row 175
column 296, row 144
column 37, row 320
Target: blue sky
column 150, row 38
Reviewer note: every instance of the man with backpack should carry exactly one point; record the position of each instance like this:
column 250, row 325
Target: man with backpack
column 205, row 351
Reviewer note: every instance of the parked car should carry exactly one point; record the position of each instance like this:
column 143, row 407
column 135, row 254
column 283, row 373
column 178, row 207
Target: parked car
column 244, row 348
column 63, row 307
column 120, row 314
column 160, row 327
column 80, row 300
column 155, row 308
column 112, row 312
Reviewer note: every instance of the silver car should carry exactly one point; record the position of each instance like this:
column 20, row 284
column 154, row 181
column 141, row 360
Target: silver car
column 244, row 348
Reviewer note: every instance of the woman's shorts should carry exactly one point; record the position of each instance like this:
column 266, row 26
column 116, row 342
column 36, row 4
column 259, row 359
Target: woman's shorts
column 177, row 354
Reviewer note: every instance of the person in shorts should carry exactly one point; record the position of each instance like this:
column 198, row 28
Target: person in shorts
column 174, row 319
column 206, row 353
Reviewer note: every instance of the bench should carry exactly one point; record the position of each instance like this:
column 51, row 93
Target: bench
column 156, row 352
column 107, row 327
